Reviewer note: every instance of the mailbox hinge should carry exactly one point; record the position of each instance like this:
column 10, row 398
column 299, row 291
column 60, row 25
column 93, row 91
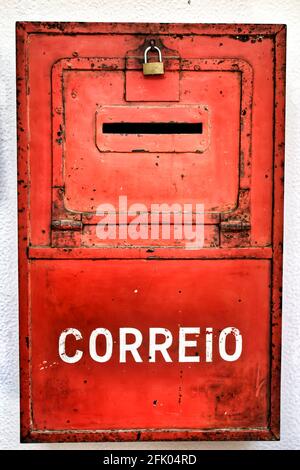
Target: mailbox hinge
column 235, row 226
column 66, row 225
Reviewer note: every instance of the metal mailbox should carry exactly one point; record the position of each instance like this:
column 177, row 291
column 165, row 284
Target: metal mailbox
column 133, row 139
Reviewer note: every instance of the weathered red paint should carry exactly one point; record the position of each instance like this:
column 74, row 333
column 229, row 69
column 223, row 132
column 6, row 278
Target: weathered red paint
column 68, row 75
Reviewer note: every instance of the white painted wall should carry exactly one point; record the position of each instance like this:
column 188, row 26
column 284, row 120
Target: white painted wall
column 200, row 11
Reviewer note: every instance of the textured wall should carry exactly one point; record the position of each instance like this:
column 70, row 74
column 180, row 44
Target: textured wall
column 205, row 11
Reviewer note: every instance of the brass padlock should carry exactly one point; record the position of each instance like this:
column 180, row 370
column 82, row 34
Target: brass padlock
column 153, row 68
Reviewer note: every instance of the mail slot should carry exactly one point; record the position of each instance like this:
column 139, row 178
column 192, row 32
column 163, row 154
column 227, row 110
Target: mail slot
column 152, row 129
column 150, row 230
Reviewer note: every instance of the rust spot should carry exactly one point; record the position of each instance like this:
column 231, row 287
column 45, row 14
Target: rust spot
column 242, row 37
column 179, row 395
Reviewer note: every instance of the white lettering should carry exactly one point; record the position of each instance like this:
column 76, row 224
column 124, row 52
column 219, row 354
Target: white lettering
column 209, row 345
column 183, row 344
column 109, row 345
column 155, row 345
column 132, row 347
column 161, row 347
column 62, row 346
column 238, row 344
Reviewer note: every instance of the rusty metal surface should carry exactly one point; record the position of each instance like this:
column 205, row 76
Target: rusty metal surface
column 66, row 80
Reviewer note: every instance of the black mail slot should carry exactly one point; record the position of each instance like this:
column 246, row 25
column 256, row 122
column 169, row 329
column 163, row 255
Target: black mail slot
column 152, row 128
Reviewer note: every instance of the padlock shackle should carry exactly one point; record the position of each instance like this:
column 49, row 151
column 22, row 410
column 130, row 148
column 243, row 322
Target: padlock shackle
column 148, row 49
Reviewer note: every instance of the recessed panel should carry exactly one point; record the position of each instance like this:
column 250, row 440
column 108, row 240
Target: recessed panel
column 191, row 167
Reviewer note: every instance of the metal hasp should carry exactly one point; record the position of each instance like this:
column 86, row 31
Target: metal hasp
column 153, row 68
column 150, row 230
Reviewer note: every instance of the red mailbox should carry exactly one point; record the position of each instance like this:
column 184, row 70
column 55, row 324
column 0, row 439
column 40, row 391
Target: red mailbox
column 150, row 230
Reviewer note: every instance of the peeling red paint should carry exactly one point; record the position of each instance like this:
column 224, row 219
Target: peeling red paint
column 60, row 67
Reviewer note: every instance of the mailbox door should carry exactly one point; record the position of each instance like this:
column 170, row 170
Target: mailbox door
column 127, row 335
